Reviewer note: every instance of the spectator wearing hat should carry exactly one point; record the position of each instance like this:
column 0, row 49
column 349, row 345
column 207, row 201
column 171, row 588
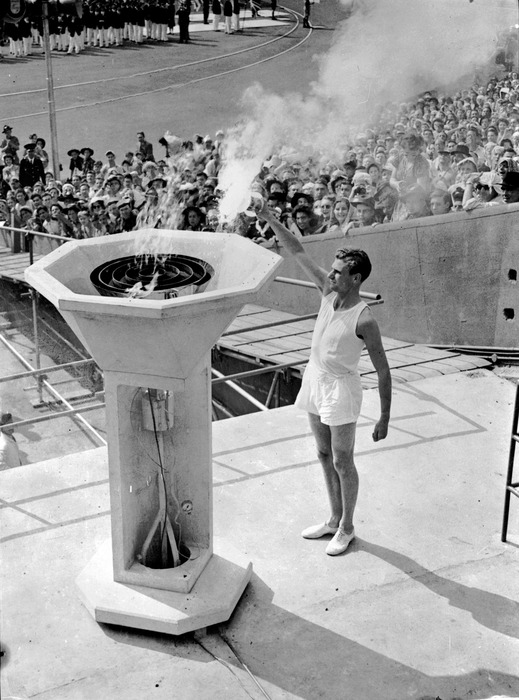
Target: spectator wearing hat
column 364, row 212
column 510, row 188
column 31, row 167
column 9, row 452
column 25, row 213
column 68, row 196
column 76, row 161
column 506, row 165
column 88, row 160
column 301, row 199
column 9, row 145
column 274, row 185
column 459, row 153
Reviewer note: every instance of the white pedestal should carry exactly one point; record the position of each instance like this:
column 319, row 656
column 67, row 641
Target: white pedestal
column 211, row 600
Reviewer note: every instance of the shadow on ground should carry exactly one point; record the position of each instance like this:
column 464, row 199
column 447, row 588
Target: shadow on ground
column 310, row 661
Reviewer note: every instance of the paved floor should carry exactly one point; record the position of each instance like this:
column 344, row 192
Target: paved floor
column 423, row 605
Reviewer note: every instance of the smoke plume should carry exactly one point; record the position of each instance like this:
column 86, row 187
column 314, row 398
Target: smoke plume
column 385, row 51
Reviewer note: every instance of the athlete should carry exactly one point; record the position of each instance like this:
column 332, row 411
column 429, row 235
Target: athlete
column 331, row 390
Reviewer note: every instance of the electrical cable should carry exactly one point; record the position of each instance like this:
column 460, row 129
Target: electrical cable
column 194, row 547
column 166, row 514
column 229, row 667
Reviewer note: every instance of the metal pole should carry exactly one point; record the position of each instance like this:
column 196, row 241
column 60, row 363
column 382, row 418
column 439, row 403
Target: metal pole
column 30, row 239
column 25, row 231
column 59, row 414
column 34, row 299
column 46, row 370
column 50, row 90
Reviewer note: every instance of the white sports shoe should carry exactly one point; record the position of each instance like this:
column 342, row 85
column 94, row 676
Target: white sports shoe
column 314, row 532
column 339, row 542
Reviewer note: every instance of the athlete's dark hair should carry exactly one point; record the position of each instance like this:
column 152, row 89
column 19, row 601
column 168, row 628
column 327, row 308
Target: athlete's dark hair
column 360, row 262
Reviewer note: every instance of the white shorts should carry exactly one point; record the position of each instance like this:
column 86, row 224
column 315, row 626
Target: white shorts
column 336, row 400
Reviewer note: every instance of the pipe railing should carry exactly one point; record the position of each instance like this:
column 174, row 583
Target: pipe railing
column 46, row 370
column 30, row 232
column 373, row 299
column 303, row 283
column 59, row 414
column 255, row 372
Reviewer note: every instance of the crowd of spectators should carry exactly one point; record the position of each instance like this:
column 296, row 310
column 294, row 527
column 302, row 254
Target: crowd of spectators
column 437, row 155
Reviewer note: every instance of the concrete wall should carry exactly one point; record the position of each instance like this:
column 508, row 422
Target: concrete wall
column 445, row 279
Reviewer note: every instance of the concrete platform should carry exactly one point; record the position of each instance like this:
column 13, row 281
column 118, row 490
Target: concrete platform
column 212, row 599
column 422, row 606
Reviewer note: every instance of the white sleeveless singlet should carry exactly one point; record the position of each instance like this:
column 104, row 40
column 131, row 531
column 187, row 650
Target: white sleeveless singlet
column 331, row 386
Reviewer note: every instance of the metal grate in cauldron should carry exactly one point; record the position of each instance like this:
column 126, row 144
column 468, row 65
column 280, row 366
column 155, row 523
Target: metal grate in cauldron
column 164, row 276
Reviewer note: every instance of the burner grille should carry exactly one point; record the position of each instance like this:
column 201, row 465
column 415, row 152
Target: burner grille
column 174, row 276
